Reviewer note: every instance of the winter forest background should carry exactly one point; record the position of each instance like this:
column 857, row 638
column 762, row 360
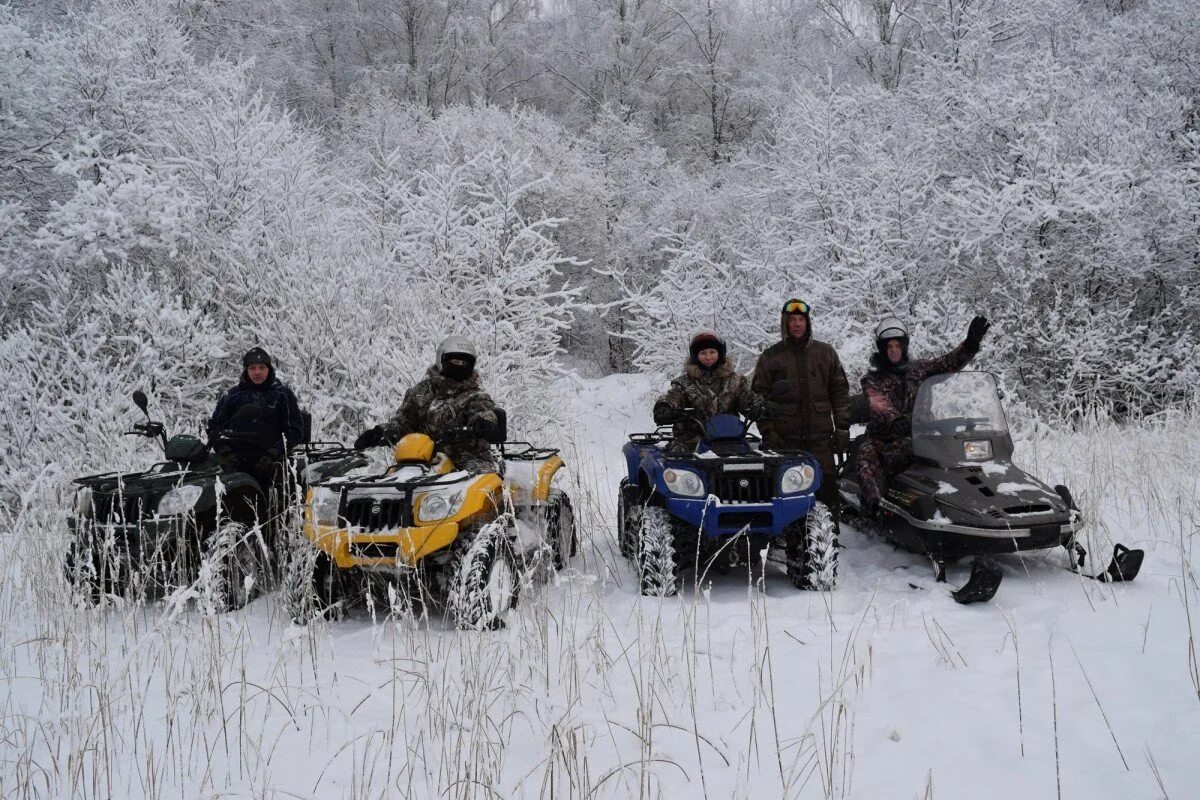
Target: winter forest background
column 578, row 185
column 582, row 184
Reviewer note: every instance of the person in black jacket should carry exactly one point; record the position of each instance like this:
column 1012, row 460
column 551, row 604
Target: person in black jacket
column 256, row 442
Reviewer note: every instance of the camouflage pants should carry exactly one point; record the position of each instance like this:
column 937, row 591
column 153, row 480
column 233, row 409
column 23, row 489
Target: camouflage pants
column 878, row 462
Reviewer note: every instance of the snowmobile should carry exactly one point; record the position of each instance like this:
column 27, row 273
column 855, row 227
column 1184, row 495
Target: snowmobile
column 189, row 519
column 962, row 496
column 720, row 507
column 428, row 534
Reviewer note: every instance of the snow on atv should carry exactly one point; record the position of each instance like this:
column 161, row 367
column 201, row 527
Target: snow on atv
column 963, row 497
column 423, row 533
column 190, row 523
column 720, row 507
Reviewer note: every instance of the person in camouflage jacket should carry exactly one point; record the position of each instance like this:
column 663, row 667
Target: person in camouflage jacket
column 891, row 390
column 449, row 406
column 710, row 386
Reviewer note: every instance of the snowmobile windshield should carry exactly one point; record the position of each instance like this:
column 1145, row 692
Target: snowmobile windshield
column 958, row 404
column 724, row 426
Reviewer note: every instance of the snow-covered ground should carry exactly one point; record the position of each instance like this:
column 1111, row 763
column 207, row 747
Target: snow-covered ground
column 883, row 688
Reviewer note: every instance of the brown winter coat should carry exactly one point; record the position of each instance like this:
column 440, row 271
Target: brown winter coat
column 440, row 407
column 818, row 399
column 721, row 391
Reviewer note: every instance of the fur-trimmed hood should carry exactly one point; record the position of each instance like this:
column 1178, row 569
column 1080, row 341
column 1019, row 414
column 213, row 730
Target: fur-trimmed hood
column 697, row 373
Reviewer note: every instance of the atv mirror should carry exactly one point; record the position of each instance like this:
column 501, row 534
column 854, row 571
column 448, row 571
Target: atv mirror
column 140, row 400
column 500, row 432
column 780, row 388
column 860, row 409
column 305, row 427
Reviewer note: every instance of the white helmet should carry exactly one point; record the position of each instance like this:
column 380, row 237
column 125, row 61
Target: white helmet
column 891, row 328
column 455, row 345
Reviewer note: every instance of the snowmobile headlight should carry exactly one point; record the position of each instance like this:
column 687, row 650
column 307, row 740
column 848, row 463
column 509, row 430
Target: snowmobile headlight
column 978, row 450
column 684, row 482
column 437, row 506
column 83, row 503
column 179, row 500
column 797, row 479
column 324, row 504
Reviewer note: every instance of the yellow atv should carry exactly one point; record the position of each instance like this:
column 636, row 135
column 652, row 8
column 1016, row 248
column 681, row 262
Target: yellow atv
column 422, row 532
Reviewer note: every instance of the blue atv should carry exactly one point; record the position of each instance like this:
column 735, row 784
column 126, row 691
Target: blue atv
column 721, row 506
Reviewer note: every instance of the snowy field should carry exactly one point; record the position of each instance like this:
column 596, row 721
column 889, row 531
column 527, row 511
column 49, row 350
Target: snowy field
column 884, row 688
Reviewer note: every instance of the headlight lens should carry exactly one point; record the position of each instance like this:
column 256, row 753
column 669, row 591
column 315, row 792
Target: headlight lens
column 324, row 504
column 438, row 505
column 83, row 503
column 797, row 479
column 978, row 450
column 684, row 482
column 179, row 500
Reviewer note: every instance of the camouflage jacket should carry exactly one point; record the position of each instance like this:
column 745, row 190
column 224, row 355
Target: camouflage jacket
column 891, row 392
column 721, row 391
column 438, row 407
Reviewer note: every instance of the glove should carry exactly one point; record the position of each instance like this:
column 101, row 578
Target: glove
column 841, row 440
column 482, row 428
column 267, row 461
column 902, row 427
column 371, row 437
column 665, row 414
column 979, row 326
column 767, row 410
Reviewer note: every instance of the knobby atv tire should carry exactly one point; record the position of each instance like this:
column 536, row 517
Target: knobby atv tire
column 482, row 577
column 658, row 573
column 815, row 566
column 629, row 518
column 233, row 569
column 91, row 573
column 561, row 533
column 312, row 585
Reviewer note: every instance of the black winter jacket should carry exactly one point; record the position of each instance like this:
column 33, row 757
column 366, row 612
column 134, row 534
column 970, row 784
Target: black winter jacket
column 278, row 420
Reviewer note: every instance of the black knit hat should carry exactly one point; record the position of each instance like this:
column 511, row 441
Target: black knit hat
column 256, row 355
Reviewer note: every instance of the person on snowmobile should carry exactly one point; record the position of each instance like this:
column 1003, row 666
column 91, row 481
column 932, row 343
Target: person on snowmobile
column 449, row 406
column 710, row 386
column 891, row 390
column 814, row 412
column 256, row 442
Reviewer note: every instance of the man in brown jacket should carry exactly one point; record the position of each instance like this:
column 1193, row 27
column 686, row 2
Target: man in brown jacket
column 814, row 413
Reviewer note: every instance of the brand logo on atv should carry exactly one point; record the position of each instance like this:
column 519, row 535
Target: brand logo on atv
column 745, row 484
column 376, row 507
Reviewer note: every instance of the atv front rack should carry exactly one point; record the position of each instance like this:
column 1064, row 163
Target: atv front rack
column 663, row 433
column 527, row 451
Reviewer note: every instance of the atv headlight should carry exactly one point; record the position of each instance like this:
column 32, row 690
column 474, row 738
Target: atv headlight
column 324, row 505
column 179, row 500
column 797, row 479
column 978, row 450
column 83, row 503
column 684, row 482
column 436, row 506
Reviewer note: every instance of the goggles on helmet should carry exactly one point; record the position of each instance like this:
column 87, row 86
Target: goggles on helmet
column 797, row 307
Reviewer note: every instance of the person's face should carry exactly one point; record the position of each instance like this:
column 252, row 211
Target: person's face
column 257, row 373
column 708, row 356
column 797, row 326
column 895, row 351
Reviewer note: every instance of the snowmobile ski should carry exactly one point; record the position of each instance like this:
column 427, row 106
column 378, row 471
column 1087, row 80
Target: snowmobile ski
column 982, row 585
column 1124, row 566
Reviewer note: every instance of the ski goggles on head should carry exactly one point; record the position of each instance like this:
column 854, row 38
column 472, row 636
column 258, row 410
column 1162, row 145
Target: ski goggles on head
column 796, row 307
